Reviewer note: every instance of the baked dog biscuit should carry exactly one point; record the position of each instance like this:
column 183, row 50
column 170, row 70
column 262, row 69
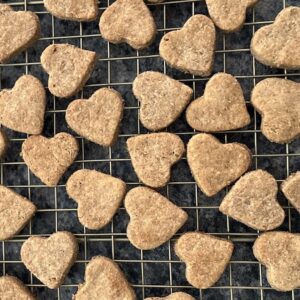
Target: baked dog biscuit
column 291, row 189
column 3, row 143
column 174, row 296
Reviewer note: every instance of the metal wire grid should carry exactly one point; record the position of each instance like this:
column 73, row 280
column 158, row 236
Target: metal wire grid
column 113, row 237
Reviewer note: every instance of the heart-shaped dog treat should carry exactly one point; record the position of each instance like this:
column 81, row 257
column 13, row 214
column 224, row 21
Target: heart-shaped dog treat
column 19, row 30
column 280, row 252
column 98, row 118
column 162, row 99
column 50, row 259
column 153, row 218
column 48, row 159
column 174, row 296
column 3, row 143
column 104, row 280
column 278, row 101
column 277, row 45
column 291, row 189
column 205, row 256
column 215, row 165
column 190, row 49
column 98, row 196
column 153, row 155
column 252, row 201
column 222, row 107
column 68, row 67
column 128, row 21
column 23, row 107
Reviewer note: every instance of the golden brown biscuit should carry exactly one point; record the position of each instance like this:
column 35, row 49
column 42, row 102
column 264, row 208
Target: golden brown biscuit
column 3, row 143
column 174, row 296
column 291, row 189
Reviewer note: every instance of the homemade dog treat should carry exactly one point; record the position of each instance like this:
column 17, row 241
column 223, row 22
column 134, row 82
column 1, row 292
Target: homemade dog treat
column 48, row 159
column 215, row 165
column 23, row 107
column 277, row 45
column 278, row 101
column 3, row 143
column 153, row 155
column 280, row 252
column 162, row 99
column 50, row 259
column 252, row 201
column 291, row 189
column 20, row 29
column 128, row 21
column 98, row 196
column 153, row 218
column 191, row 49
column 98, row 118
column 68, row 67
column 205, row 256
column 174, row 296
column 222, row 107
column 104, row 280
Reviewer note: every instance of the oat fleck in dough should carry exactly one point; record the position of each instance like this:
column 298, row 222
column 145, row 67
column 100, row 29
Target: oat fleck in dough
column 3, row 143
column 205, row 256
column 291, row 189
column 278, row 101
column 252, row 201
column 48, row 159
column 50, row 259
column 174, row 296
column 128, row 21
column 162, row 99
column 222, row 107
column 153, row 218
column 104, row 280
column 153, row 155
column 18, row 31
column 68, row 67
column 277, row 45
column 280, row 252
column 191, row 49
column 98, row 118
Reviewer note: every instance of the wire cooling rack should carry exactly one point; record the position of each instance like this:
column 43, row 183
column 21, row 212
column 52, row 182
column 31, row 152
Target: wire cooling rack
column 157, row 272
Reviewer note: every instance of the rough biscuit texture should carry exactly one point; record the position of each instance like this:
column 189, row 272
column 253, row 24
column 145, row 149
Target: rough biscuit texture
column 15, row 212
column 153, row 218
column 98, row 196
column 48, row 159
column 280, row 253
column 174, row 296
column 252, row 201
column 191, row 49
column 128, row 21
column 50, row 259
column 162, row 99
column 278, row 101
column 68, row 67
column 98, row 118
column 23, row 107
column 104, row 280
column 291, row 189
column 75, row 10
column 205, row 256
column 153, row 155
column 19, row 30
column 222, row 107
column 3, row 143
column 277, row 45
column 215, row 165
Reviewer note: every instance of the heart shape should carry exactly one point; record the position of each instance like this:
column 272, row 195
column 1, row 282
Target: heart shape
column 252, row 201
column 98, row 118
column 280, row 253
column 275, row 45
column 291, row 189
column 23, row 107
column 222, row 107
column 104, row 280
column 98, row 196
column 48, row 159
column 215, row 165
column 128, row 21
column 205, row 256
column 50, row 259
column 19, row 30
column 68, row 67
column 3, row 143
column 174, row 296
column 162, row 99
column 153, row 218
column 190, row 49
column 153, row 155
